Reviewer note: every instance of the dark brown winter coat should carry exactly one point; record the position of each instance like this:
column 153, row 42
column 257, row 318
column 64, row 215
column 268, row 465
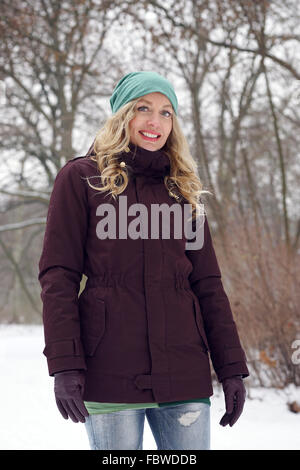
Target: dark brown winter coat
column 151, row 312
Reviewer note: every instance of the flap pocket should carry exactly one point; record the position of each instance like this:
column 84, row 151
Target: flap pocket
column 199, row 322
column 92, row 320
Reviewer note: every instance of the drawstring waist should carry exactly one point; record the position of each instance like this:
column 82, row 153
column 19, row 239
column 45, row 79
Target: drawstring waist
column 124, row 280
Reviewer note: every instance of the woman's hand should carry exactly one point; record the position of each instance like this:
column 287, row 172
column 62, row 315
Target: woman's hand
column 235, row 395
column 68, row 389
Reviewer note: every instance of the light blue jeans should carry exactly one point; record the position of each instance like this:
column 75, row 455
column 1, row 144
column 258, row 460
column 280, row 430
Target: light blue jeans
column 178, row 427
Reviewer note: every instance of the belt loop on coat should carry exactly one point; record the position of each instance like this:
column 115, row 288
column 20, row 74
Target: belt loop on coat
column 106, row 280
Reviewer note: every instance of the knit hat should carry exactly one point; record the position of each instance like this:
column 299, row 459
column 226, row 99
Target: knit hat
column 137, row 84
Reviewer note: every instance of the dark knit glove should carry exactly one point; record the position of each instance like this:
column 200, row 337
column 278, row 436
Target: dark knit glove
column 68, row 389
column 235, row 395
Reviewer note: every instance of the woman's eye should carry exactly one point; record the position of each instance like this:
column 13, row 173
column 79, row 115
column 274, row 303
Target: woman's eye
column 165, row 113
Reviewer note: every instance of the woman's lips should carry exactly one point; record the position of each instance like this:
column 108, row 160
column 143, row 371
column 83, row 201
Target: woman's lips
column 151, row 139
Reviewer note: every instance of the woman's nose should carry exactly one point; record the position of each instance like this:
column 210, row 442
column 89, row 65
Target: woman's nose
column 153, row 119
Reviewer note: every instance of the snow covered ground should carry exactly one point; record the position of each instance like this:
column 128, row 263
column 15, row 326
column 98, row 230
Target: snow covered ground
column 31, row 421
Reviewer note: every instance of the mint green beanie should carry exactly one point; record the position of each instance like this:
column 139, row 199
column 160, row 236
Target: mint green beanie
column 137, row 84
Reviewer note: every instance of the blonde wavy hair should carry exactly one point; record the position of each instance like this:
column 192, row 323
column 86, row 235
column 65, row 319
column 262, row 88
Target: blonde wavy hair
column 113, row 138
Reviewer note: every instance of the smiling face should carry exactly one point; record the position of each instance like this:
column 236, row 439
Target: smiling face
column 152, row 124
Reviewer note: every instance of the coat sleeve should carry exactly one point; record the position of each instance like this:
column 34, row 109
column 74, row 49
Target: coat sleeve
column 60, row 270
column 227, row 355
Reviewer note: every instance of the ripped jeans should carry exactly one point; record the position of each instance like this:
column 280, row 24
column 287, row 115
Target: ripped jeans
column 180, row 427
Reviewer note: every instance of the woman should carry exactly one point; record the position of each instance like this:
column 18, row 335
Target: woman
column 137, row 340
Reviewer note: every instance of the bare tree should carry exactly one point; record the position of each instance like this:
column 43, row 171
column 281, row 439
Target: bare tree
column 244, row 114
column 228, row 74
column 51, row 55
column 54, row 60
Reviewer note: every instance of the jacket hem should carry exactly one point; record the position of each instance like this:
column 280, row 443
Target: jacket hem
column 108, row 389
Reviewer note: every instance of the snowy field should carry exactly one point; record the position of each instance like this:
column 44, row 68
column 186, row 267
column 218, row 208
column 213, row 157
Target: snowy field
column 31, row 421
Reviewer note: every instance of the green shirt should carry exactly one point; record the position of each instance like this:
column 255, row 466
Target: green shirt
column 94, row 407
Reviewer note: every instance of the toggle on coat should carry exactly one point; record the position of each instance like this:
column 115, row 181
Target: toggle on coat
column 152, row 312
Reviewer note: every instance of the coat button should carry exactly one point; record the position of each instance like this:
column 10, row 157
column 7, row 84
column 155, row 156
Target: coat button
column 122, row 164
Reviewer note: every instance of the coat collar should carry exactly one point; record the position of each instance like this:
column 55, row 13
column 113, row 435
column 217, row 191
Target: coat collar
column 140, row 161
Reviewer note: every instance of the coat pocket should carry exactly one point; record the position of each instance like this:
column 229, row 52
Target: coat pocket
column 199, row 323
column 92, row 320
